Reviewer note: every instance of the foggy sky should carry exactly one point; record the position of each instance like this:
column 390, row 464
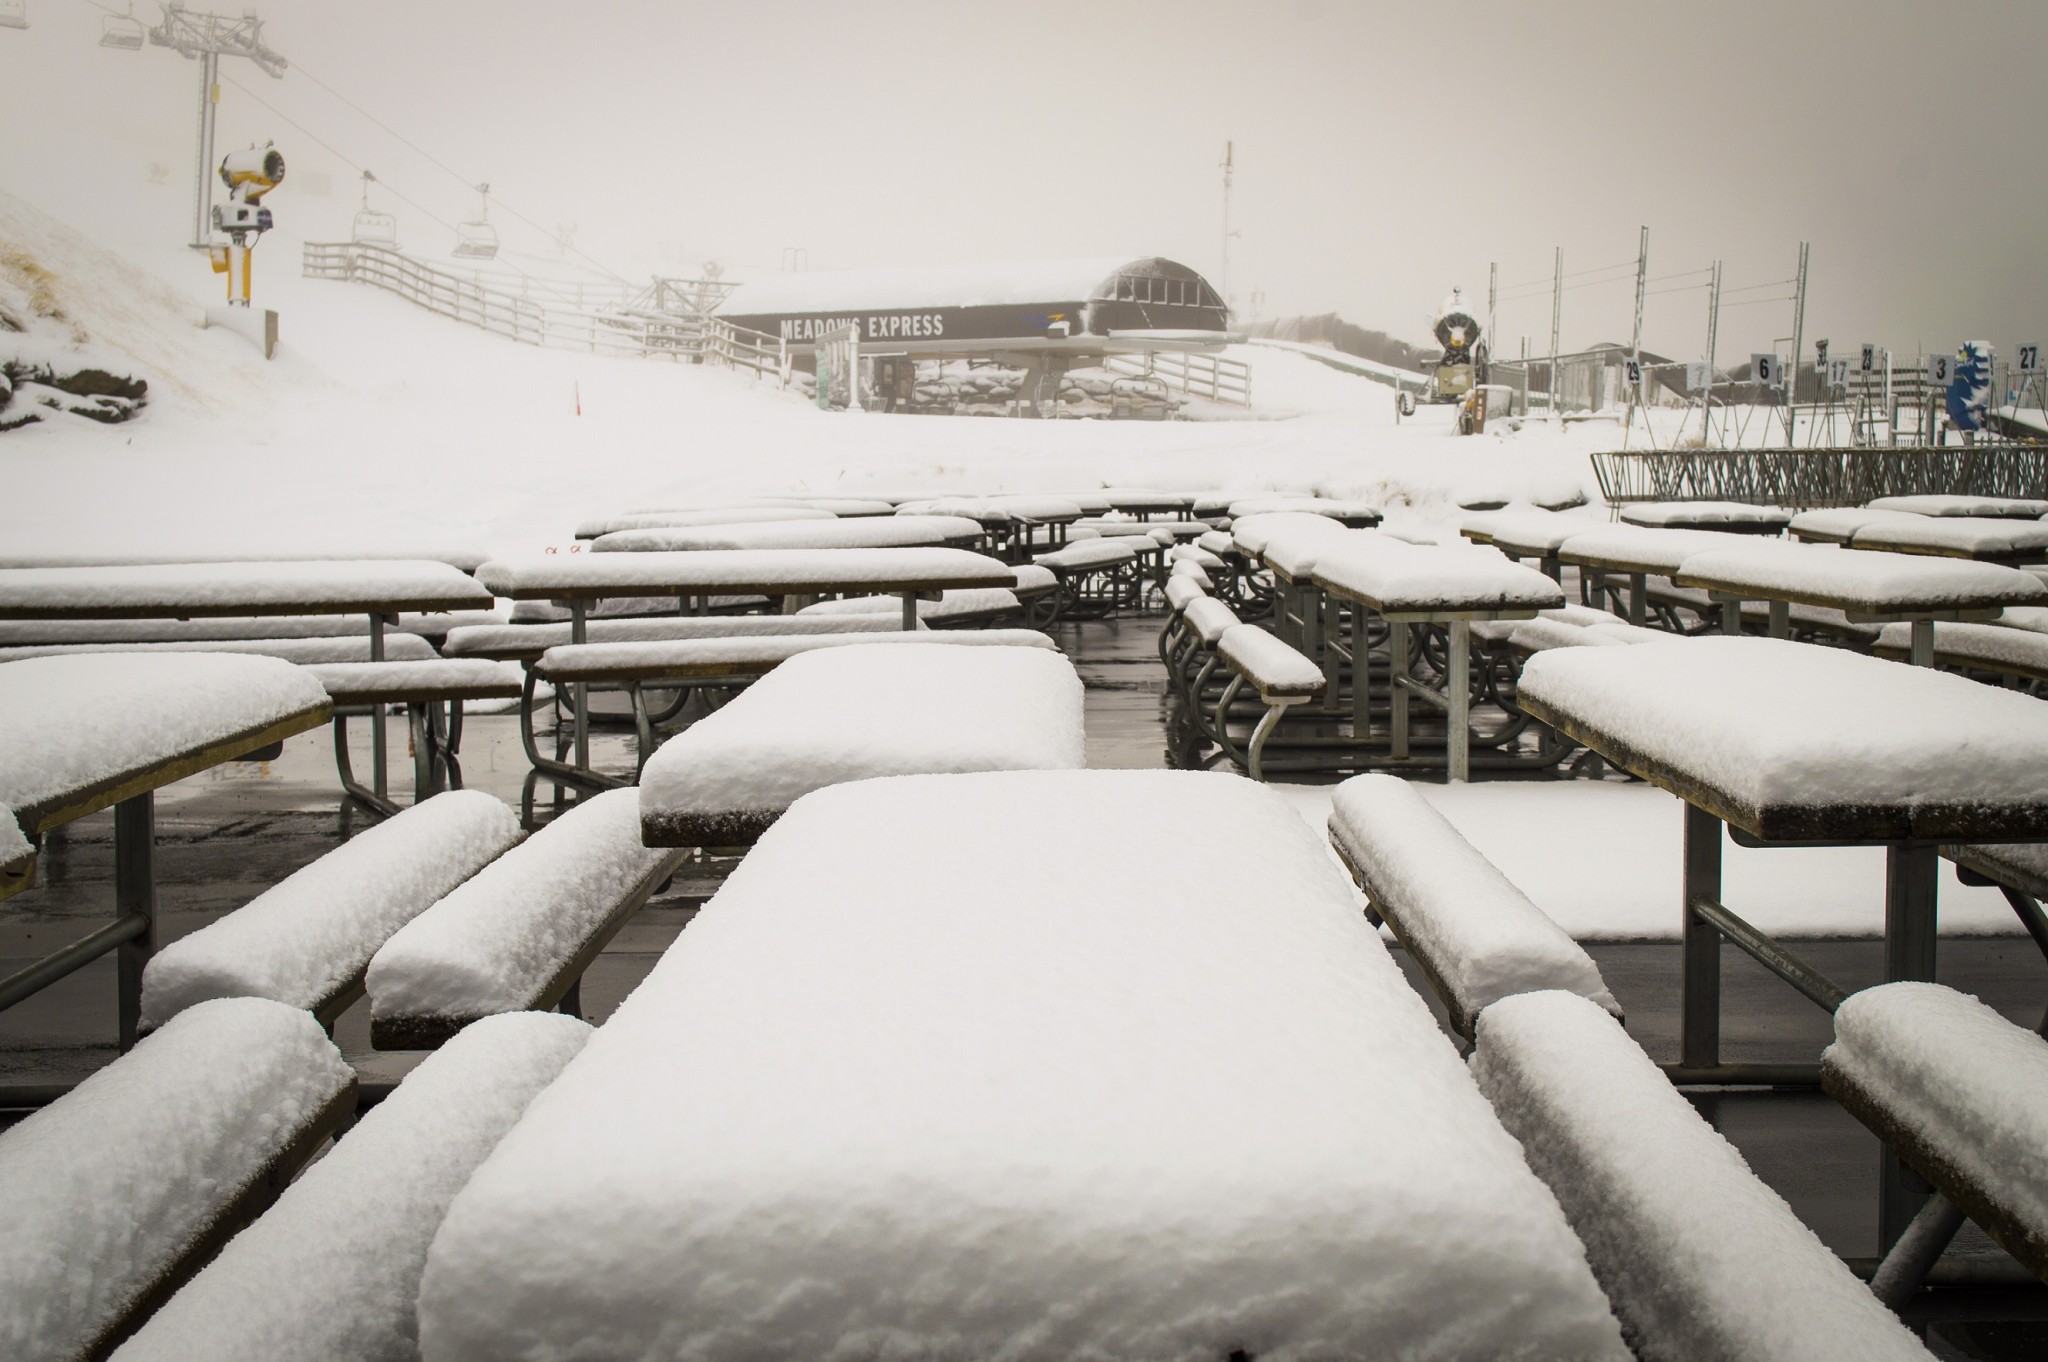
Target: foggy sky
column 1384, row 153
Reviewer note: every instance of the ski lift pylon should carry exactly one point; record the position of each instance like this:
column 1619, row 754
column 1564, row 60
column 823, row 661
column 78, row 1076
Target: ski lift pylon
column 13, row 13
column 373, row 228
column 478, row 240
column 121, row 31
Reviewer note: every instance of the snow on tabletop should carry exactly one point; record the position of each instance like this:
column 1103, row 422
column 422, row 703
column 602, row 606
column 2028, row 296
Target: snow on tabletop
column 659, row 520
column 1268, row 663
column 1409, row 577
column 395, row 681
column 341, row 548
column 333, row 1269
column 14, row 847
column 1970, row 1083
column 736, row 570
column 1642, row 548
column 108, row 1185
column 768, row 649
column 1085, row 554
column 842, row 714
column 242, row 588
column 1697, row 514
column 1530, row 531
column 70, row 723
column 1625, row 885
column 963, row 603
column 2016, row 508
column 1771, row 723
column 537, row 638
column 1034, row 578
column 21, row 633
column 1293, row 550
column 1482, row 935
column 1114, row 529
column 840, row 506
column 1987, row 643
column 302, row 939
column 1162, row 1094
column 873, row 532
column 1854, row 578
column 1957, row 534
column 1251, row 533
column 1836, row 523
column 1700, row 1258
column 351, row 648
column 1323, row 506
column 493, row 943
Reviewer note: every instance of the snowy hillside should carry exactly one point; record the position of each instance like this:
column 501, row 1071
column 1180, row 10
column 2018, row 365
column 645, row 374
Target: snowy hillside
column 380, row 424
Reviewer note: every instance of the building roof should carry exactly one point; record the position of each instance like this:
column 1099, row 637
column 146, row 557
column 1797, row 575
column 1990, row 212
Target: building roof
column 1032, row 281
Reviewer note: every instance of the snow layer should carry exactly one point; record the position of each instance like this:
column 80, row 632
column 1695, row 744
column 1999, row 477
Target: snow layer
column 356, row 648
column 1700, row 1258
column 301, row 940
column 1963, row 536
column 1790, row 725
column 1034, row 580
column 1210, row 619
column 1700, row 514
column 1638, row 548
column 531, row 640
column 1272, row 666
column 494, row 943
column 869, row 532
column 332, row 1271
column 1293, row 550
column 1360, row 512
column 1870, row 582
column 1451, row 906
column 843, row 714
column 2017, row 508
column 14, row 847
column 1996, row 645
column 1393, row 576
column 441, row 678
column 1967, row 1081
column 70, row 723
column 1086, row 555
column 1834, row 525
column 984, row 602
column 660, row 520
column 23, row 633
column 241, row 588
column 254, row 544
column 739, row 570
column 1181, row 592
column 1528, row 532
column 1161, row 1094
column 687, row 656
column 1252, row 533
column 109, row 1185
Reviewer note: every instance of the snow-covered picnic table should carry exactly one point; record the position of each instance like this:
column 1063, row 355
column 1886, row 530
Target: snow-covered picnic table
column 1953, row 504
column 1638, row 553
column 1526, row 534
column 868, row 532
column 1866, row 586
column 1734, row 517
column 1985, row 539
column 970, row 1103
column 88, row 732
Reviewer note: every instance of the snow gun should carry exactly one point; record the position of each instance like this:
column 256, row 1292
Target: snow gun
column 249, row 174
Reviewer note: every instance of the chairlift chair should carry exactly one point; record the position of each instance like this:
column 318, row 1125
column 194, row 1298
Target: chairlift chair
column 13, row 13
column 478, row 240
column 123, row 31
column 373, row 228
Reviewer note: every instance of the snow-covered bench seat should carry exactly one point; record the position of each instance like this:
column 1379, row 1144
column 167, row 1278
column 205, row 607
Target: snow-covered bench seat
column 1088, row 555
column 1536, row 635
column 867, row 532
column 1835, row 524
column 1953, row 504
column 842, row 714
column 201, row 590
column 737, row 659
column 682, row 519
column 306, row 940
column 1096, row 576
column 526, row 642
column 1358, row 515
column 518, row 935
column 1194, row 572
column 1958, row 1093
column 1732, row 517
column 1476, row 937
column 1700, row 1259
column 368, row 688
column 120, row 1190
column 583, row 577
column 337, row 647
column 1996, row 648
column 1985, row 539
column 953, row 609
column 332, row 1271
column 1282, row 676
column 1527, row 534
column 1073, row 1105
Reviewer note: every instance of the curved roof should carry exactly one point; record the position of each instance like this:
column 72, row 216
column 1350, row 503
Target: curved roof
column 1032, row 281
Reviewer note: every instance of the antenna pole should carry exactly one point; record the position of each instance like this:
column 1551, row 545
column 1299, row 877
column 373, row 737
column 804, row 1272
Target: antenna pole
column 1556, row 314
column 1228, row 168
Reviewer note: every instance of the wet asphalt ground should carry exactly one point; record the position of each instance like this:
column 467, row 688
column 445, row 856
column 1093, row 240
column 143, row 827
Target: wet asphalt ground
column 226, row 835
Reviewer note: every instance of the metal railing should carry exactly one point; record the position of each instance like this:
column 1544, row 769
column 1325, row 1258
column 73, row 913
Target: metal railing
column 558, row 320
column 1807, row 478
column 1212, row 376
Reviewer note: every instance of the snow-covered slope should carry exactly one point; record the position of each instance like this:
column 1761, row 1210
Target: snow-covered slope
column 378, row 421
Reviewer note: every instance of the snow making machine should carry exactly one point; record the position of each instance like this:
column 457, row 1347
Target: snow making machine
column 1459, row 373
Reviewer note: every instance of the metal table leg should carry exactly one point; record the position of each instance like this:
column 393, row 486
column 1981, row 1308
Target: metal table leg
column 1638, row 596
column 1911, row 879
column 379, row 772
column 909, row 610
column 1922, row 654
column 1780, row 619
column 579, row 692
column 134, row 892
column 1397, row 667
column 1458, row 691
column 1699, row 1026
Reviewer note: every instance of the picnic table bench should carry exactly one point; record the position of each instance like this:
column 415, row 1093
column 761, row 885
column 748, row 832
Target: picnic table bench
column 1102, row 1005
column 1730, row 517
column 1981, row 539
column 379, row 589
column 1994, row 647
column 1357, row 515
column 82, row 734
column 873, row 532
column 836, row 714
column 1835, row 524
column 1638, row 554
column 1789, row 744
column 683, row 519
column 1952, row 504
column 1527, row 534
column 580, row 579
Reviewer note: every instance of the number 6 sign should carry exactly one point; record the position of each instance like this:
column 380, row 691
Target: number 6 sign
column 1765, row 367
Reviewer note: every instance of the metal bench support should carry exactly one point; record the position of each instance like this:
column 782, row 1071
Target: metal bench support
column 1699, row 1020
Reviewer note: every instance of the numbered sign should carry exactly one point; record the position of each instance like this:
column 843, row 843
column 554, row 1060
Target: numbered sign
column 1838, row 374
column 1939, row 367
column 1766, row 371
column 2030, row 357
column 1695, row 376
column 1869, row 359
column 1820, row 356
column 1632, row 371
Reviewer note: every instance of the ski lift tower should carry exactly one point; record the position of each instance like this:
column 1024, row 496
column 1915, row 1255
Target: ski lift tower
column 206, row 38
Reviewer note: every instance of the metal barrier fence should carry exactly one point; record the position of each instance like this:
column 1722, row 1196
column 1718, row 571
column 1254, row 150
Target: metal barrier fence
column 1806, row 478
column 1212, row 376
column 537, row 318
